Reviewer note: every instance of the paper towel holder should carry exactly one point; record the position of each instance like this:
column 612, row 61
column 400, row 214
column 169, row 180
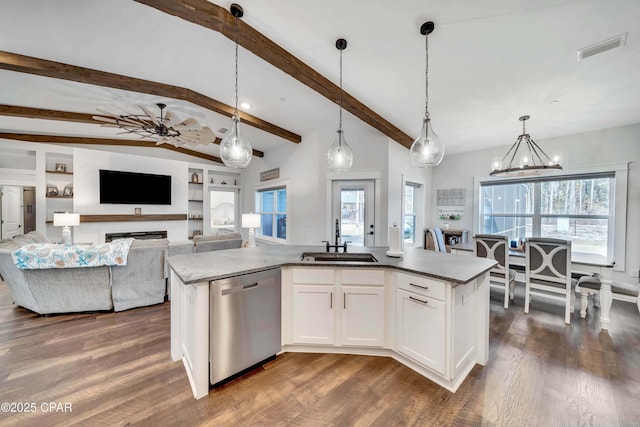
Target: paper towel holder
column 395, row 252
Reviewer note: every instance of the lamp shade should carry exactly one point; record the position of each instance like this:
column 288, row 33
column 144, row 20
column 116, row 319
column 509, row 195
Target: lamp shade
column 251, row 220
column 66, row 220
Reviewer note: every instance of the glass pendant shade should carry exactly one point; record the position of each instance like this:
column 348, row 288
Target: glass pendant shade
column 235, row 149
column 427, row 150
column 339, row 156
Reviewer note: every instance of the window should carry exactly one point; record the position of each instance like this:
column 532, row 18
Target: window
column 577, row 208
column 271, row 204
column 410, row 215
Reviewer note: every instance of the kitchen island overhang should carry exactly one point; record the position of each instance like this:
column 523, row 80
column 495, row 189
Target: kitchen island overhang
column 458, row 303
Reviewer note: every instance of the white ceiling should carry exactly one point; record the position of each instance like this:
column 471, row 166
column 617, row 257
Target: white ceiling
column 489, row 63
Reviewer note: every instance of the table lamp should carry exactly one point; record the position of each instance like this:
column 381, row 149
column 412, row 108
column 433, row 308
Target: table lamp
column 251, row 221
column 66, row 220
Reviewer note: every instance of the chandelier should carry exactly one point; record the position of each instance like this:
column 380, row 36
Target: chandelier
column 524, row 157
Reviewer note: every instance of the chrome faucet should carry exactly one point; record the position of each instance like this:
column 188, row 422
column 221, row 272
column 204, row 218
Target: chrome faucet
column 337, row 245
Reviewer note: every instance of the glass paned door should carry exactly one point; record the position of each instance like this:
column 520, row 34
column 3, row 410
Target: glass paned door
column 353, row 207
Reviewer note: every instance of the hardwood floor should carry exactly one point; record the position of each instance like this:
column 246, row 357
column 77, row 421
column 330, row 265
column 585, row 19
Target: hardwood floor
column 115, row 369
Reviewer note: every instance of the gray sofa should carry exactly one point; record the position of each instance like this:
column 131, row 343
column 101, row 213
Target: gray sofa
column 142, row 282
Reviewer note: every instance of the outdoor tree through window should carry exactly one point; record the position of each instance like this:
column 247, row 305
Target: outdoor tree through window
column 578, row 208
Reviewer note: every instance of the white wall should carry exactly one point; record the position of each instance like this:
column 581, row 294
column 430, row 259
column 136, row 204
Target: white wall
column 86, row 200
column 579, row 152
column 303, row 170
column 400, row 169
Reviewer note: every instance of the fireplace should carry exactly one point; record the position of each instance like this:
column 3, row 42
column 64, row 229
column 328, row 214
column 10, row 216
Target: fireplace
column 141, row 235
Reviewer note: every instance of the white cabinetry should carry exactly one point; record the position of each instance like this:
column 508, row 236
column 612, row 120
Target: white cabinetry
column 313, row 306
column 421, row 329
column 313, row 314
column 346, row 307
column 363, row 309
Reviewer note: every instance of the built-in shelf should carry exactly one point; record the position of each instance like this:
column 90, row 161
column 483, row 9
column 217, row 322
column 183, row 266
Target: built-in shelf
column 60, row 173
column 195, row 200
column 59, row 197
column 127, row 218
column 196, row 183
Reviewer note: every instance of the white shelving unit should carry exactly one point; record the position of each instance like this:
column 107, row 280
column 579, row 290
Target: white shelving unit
column 196, row 199
column 58, row 188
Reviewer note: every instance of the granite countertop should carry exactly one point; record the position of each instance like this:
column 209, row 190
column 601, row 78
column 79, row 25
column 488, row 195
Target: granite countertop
column 215, row 265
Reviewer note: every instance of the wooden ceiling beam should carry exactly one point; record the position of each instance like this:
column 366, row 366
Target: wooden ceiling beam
column 216, row 18
column 68, row 116
column 42, row 67
column 60, row 139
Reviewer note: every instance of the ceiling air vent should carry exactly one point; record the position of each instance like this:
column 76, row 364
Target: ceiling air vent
column 223, row 130
column 602, row 46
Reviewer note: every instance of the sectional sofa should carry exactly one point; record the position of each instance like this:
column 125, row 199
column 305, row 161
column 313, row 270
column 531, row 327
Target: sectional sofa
column 142, row 282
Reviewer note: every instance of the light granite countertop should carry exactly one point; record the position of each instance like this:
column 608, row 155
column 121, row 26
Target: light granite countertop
column 215, row 265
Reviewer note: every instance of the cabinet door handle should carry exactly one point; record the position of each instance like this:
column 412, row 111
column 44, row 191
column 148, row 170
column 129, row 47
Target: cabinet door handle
column 331, row 300
column 418, row 286
column 344, row 300
column 418, row 300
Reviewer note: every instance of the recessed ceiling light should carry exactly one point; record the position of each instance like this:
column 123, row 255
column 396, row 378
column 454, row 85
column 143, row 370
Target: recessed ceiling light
column 245, row 105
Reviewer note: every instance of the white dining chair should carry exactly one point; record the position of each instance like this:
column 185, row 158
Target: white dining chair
column 494, row 246
column 548, row 272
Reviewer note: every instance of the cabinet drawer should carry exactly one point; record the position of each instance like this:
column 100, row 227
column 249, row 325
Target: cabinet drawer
column 362, row 277
column 316, row 276
column 421, row 285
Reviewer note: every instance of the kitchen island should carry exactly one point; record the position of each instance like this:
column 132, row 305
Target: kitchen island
column 428, row 310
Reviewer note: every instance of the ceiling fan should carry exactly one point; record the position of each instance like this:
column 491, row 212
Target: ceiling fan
column 168, row 128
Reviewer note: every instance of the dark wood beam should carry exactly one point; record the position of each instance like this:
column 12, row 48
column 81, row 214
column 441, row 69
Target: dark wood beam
column 60, row 139
column 216, row 18
column 42, row 67
column 40, row 113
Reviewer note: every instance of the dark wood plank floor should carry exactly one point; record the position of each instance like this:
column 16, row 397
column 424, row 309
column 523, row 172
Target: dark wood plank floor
column 115, row 369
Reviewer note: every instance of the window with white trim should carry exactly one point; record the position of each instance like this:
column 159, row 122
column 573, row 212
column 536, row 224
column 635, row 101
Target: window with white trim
column 579, row 208
column 271, row 204
column 411, row 204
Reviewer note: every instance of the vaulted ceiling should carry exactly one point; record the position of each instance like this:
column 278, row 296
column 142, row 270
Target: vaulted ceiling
column 489, row 63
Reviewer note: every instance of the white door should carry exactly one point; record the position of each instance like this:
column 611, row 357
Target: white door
column 353, row 207
column 11, row 211
column 312, row 320
column 362, row 316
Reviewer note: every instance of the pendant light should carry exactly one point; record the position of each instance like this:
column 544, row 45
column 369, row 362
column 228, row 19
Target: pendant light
column 340, row 156
column 235, row 149
column 427, row 150
column 532, row 160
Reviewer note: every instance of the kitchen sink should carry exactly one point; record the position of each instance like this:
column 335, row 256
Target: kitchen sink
column 337, row 257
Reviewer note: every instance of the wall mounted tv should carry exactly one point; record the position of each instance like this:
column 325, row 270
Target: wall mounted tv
column 132, row 188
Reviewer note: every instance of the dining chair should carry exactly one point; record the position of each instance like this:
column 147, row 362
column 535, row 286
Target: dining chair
column 548, row 272
column 494, row 246
column 438, row 239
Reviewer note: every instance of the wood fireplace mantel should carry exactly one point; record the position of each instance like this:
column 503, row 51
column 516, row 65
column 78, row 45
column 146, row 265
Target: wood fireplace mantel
column 129, row 218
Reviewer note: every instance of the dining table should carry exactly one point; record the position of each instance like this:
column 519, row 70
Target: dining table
column 582, row 264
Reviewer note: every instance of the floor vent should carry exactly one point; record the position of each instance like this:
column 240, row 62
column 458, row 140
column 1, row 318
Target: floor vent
column 602, row 46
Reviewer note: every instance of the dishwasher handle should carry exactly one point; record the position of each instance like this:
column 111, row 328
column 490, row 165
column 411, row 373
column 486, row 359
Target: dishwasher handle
column 252, row 285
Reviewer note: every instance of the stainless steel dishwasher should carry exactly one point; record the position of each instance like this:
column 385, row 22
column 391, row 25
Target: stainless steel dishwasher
column 245, row 323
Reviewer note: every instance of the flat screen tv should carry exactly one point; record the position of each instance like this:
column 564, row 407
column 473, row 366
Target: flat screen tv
column 132, row 188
